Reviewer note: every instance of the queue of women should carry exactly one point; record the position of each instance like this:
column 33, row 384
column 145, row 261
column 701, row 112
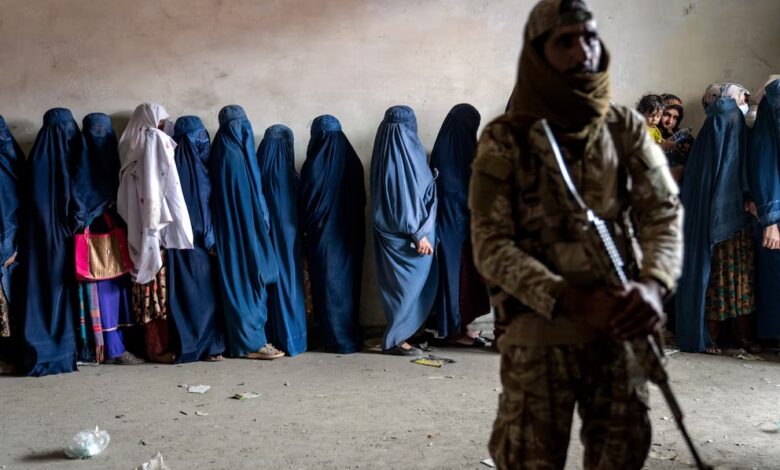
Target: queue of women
column 181, row 248
column 730, row 189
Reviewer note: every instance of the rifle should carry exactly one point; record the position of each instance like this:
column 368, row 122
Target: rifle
column 645, row 355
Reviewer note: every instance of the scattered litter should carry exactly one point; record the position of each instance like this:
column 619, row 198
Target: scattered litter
column 430, row 444
column 669, row 352
column 432, row 435
column 287, row 384
column 82, row 363
column 119, row 416
column 770, row 427
column 665, row 418
column 142, row 442
column 245, row 395
column 198, row 389
column 747, row 357
column 184, row 413
column 201, row 413
column 663, row 455
column 747, row 366
column 156, row 463
column 438, row 377
column 321, row 396
column 87, row 444
column 488, row 463
column 432, row 361
column 496, row 389
column 710, row 441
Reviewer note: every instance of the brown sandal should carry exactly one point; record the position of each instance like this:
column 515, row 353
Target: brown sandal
column 266, row 353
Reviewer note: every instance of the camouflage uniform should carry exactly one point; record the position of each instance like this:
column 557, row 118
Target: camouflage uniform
column 528, row 243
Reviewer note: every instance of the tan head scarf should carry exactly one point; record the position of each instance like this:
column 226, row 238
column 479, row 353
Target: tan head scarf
column 575, row 105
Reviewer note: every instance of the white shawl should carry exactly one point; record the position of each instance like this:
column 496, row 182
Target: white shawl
column 150, row 199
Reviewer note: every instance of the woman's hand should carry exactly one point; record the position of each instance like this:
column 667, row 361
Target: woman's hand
column 424, row 247
column 771, row 237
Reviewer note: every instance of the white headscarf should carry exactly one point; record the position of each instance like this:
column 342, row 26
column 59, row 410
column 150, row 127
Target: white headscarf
column 150, row 198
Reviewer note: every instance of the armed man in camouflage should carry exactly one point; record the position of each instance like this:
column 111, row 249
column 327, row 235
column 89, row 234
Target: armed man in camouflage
column 564, row 326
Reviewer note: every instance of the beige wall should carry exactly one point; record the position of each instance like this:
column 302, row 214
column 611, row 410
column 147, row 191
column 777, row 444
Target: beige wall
column 290, row 60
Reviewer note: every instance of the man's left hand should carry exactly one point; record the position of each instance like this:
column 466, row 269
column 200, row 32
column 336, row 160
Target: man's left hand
column 643, row 313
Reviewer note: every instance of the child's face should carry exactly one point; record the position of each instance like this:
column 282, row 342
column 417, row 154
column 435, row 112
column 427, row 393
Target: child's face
column 653, row 118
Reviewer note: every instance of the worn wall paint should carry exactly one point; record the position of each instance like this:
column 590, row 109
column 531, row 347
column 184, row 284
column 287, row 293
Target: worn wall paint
column 290, row 60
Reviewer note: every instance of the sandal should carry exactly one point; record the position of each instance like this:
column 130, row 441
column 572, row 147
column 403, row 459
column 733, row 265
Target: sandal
column 266, row 353
column 715, row 351
column 164, row 358
column 478, row 342
column 399, row 351
column 749, row 346
column 125, row 359
column 214, row 358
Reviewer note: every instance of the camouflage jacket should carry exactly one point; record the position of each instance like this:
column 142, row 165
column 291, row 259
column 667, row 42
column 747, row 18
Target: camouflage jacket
column 526, row 233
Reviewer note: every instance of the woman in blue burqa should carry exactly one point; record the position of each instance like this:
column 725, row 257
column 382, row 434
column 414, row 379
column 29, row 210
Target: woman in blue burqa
column 286, row 327
column 462, row 294
column 764, row 174
column 11, row 165
column 245, row 256
column 403, row 204
column 103, row 305
column 192, row 283
column 333, row 200
column 45, row 300
column 717, row 279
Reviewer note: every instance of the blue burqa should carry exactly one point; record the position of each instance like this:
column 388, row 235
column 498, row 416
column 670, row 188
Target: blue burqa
column 103, row 156
column 286, row 326
column 333, row 200
column 453, row 153
column 102, row 171
column 192, row 274
column 54, row 208
column 713, row 197
column 245, row 256
column 764, row 177
column 11, row 167
column 403, row 204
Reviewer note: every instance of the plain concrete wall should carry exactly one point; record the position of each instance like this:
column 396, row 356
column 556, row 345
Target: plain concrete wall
column 287, row 61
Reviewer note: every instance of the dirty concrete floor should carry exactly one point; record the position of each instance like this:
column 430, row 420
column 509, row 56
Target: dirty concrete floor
column 324, row 411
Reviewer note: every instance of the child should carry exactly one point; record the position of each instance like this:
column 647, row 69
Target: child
column 652, row 107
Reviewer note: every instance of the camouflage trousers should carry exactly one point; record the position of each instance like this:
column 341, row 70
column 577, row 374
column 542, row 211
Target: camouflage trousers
column 542, row 384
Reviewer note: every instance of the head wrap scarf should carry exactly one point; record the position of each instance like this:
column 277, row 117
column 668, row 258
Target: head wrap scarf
column 575, row 105
column 673, row 102
column 286, row 326
column 150, row 198
column 333, row 200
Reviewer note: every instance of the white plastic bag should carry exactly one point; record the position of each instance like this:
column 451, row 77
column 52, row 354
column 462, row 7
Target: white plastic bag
column 87, row 444
column 155, row 464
